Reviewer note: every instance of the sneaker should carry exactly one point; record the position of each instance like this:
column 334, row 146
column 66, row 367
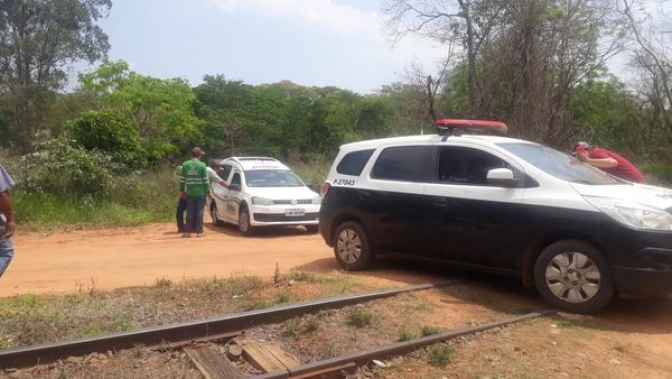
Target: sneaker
column 186, row 235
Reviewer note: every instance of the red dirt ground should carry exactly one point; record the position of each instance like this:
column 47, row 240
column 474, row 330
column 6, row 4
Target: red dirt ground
column 63, row 262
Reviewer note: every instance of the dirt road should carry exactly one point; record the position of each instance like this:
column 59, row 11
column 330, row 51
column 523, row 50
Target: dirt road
column 63, row 262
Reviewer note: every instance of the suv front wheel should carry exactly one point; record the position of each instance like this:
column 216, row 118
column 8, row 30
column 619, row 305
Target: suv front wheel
column 213, row 214
column 574, row 276
column 351, row 247
column 244, row 223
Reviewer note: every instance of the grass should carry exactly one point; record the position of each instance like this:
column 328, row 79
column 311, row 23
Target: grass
column 360, row 318
column 299, row 326
column 429, row 330
column 312, row 170
column 439, row 355
column 404, row 335
column 134, row 199
column 88, row 311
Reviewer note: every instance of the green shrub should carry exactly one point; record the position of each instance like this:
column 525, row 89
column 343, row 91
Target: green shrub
column 302, row 325
column 58, row 168
column 111, row 134
column 439, row 355
column 429, row 330
column 360, row 318
column 129, row 199
column 405, row 335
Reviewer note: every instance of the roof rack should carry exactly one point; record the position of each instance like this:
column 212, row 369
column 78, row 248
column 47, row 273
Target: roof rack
column 453, row 127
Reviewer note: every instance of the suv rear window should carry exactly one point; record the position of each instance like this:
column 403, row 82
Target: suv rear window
column 400, row 163
column 353, row 163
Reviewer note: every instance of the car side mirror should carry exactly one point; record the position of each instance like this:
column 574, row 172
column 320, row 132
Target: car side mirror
column 234, row 187
column 502, row 177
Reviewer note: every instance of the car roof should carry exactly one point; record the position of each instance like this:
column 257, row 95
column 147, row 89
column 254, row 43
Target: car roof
column 258, row 163
column 428, row 139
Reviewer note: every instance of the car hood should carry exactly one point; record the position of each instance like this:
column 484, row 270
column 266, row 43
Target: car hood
column 282, row 193
column 658, row 197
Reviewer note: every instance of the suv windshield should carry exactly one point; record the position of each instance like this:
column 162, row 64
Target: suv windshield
column 272, row 178
column 558, row 164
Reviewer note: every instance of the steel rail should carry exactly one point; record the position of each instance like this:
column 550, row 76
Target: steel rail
column 224, row 327
column 332, row 365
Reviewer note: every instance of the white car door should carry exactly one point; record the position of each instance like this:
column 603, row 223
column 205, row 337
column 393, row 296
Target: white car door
column 219, row 193
column 233, row 197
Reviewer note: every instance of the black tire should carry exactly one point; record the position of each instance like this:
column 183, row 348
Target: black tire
column 213, row 214
column 244, row 226
column 351, row 247
column 574, row 276
column 311, row 228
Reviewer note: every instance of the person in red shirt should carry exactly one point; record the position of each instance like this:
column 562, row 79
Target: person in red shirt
column 609, row 162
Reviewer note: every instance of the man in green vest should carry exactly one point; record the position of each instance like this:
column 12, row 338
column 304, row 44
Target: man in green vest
column 194, row 186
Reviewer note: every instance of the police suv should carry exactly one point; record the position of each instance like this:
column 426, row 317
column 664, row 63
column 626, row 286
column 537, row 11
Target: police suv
column 501, row 205
column 261, row 191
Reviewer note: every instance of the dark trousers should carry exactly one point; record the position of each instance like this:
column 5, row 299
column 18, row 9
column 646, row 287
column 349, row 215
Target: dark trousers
column 195, row 210
column 179, row 214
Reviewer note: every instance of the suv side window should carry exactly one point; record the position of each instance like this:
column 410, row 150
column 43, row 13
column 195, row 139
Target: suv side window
column 464, row 165
column 353, row 163
column 404, row 163
column 223, row 171
column 236, row 179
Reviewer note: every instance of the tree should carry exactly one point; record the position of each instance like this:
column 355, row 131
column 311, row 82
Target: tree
column 107, row 132
column 467, row 22
column 653, row 59
column 38, row 39
column 160, row 109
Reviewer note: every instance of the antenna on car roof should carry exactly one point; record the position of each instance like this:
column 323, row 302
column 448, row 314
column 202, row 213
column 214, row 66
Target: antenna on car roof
column 453, row 127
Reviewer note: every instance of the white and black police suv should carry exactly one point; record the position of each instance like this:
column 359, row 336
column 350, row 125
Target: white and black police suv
column 500, row 205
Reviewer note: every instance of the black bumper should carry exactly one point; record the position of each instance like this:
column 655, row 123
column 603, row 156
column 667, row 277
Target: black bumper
column 652, row 277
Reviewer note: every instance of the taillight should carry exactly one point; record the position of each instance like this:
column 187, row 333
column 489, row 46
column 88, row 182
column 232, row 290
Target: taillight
column 324, row 189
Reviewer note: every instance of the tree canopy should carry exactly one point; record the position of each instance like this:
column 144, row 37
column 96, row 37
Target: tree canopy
column 38, row 39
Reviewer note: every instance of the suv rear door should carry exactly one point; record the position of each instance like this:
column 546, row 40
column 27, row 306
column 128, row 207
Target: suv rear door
column 394, row 200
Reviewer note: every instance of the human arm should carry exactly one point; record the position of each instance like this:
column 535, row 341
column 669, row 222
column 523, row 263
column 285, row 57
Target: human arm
column 183, row 187
column 6, row 209
column 599, row 162
column 215, row 178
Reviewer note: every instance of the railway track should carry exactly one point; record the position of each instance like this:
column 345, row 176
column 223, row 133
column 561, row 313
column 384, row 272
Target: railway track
column 225, row 328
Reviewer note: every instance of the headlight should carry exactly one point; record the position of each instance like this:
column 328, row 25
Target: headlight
column 632, row 214
column 317, row 200
column 256, row 200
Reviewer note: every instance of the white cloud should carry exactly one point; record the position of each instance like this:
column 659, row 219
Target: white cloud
column 324, row 13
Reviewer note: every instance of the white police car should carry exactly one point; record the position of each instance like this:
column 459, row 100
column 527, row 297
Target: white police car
column 500, row 205
column 261, row 191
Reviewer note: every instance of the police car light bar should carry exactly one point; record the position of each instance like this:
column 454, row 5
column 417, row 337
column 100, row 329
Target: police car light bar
column 448, row 127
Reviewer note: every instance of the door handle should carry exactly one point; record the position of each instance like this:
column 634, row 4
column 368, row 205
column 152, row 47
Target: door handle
column 440, row 203
column 365, row 195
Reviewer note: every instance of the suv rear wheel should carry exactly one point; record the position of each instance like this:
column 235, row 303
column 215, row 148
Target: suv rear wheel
column 574, row 276
column 351, row 247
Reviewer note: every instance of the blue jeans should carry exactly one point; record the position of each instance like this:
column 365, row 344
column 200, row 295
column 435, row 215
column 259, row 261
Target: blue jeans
column 6, row 253
column 179, row 214
column 195, row 210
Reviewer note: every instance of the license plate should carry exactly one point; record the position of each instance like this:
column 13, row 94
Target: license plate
column 294, row 212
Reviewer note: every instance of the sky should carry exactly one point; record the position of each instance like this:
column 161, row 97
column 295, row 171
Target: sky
column 341, row 43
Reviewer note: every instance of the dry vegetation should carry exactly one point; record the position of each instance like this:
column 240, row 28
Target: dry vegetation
column 551, row 347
